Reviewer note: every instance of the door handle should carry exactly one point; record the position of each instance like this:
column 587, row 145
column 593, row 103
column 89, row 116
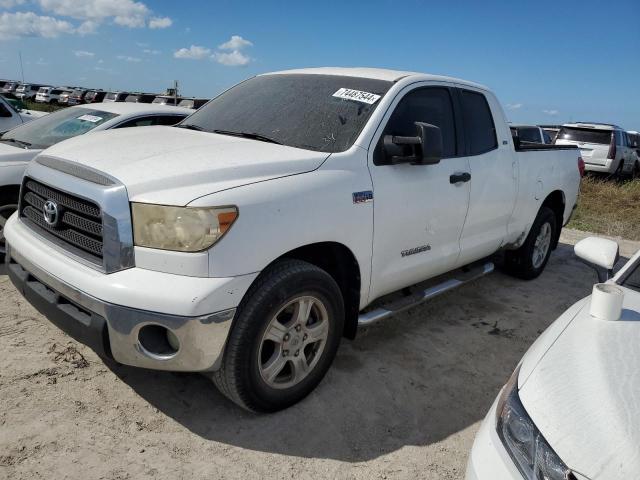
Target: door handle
column 460, row 177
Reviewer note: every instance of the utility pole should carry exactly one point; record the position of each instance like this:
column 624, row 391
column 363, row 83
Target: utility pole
column 175, row 92
column 21, row 67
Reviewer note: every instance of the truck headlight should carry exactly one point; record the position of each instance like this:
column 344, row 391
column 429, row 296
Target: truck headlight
column 528, row 449
column 182, row 229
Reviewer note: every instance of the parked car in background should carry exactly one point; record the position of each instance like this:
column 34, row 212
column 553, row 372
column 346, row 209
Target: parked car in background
column 10, row 87
column 94, row 96
column 634, row 142
column 605, row 147
column 569, row 410
column 27, row 91
column 115, row 97
column 11, row 117
column 48, row 95
column 194, row 103
column 530, row 133
column 170, row 276
column 166, row 100
column 21, row 144
column 552, row 130
column 63, row 99
column 77, row 96
column 140, row 97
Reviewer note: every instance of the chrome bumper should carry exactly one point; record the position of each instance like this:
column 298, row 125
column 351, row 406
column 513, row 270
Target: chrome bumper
column 114, row 330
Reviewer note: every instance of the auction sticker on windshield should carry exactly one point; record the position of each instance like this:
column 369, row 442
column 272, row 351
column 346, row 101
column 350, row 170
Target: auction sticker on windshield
column 90, row 118
column 357, row 95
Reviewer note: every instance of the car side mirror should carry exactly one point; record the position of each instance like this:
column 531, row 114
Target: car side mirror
column 423, row 149
column 600, row 254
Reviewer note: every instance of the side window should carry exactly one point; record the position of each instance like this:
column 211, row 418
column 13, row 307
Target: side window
column 618, row 136
column 480, row 130
column 138, row 122
column 169, row 119
column 546, row 137
column 429, row 105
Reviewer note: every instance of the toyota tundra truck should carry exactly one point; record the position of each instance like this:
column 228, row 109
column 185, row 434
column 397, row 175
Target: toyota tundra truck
column 286, row 213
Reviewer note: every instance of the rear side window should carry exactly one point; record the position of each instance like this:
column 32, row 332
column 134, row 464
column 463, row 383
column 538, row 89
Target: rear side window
column 479, row 129
column 585, row 135
column 528, row 134
column 429, row 105
column 169, row 119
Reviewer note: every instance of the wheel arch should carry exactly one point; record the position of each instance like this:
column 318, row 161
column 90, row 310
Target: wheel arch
column 557, row 203
column 339, row 262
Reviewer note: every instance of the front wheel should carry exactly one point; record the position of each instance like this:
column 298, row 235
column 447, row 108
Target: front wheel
column 529, row 260
column 285, row 335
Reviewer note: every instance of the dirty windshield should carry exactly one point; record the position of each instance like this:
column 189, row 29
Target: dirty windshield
column 323, row 113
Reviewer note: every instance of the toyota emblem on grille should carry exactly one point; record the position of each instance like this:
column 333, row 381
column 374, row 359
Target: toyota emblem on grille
column 50, row 211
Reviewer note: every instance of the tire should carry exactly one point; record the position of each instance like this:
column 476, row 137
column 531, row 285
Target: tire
column 531, row 258
column 263, row 375
column 8, row 205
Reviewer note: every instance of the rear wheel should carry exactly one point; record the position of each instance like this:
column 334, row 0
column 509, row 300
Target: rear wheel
column 285, row 335
column 531, row 258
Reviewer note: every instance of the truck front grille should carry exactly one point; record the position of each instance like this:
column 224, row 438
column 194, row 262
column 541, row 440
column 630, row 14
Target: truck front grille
column 77, row 224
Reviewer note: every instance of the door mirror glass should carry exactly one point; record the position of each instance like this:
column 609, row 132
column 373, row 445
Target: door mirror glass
column 423, row 149
column 600, row 254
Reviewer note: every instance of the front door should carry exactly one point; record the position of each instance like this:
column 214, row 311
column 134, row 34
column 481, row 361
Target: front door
column 419, row 210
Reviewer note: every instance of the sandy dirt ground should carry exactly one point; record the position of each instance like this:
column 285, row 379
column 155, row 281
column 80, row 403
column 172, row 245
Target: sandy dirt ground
column 402, row 401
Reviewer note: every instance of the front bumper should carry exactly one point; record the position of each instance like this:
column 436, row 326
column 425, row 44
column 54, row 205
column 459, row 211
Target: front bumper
column 488, row 459
column 107, row 312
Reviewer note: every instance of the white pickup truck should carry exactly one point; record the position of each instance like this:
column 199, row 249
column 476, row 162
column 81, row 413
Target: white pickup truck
column 246, row 241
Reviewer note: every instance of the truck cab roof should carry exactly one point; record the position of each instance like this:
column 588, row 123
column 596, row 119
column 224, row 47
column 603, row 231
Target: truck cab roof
column 376, row 74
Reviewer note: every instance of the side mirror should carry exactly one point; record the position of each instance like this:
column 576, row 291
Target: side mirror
column 600, row 254
column 423, row 149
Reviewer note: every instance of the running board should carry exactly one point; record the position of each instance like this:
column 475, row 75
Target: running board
column 390, row 309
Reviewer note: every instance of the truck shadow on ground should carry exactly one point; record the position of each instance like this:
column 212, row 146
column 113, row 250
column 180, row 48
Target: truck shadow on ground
column 427, row 374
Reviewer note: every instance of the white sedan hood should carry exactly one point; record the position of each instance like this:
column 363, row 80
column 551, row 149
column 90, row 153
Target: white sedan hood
column 584, row 393
column 174, row 166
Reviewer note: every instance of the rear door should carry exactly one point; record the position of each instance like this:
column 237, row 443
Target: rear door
column 493, row 175
column 418, row 212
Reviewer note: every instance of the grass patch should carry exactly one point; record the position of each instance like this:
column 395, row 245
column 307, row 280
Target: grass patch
column 608, row 207
column 41, row 107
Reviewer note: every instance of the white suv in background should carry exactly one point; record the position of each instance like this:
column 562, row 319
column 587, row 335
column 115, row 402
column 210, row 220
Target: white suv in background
column 605, row 148
column 48, row 95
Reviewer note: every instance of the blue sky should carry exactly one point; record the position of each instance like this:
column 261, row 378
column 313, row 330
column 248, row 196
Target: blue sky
column 548, row 61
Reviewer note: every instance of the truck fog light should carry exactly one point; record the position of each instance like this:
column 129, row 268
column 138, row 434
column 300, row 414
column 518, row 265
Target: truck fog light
column 158, row 341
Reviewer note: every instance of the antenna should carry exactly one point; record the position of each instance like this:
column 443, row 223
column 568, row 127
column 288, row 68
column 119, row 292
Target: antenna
column 21, row 67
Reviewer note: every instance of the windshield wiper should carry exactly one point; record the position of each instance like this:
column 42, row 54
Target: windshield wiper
column 190, row 126
column 13, row 140
column 252, row 136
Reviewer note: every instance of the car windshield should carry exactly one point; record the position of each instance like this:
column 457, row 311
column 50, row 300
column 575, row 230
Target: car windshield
column 111, row 96
column 324, row 113
column 585, row 135
column 56, row 127
column 186, row 103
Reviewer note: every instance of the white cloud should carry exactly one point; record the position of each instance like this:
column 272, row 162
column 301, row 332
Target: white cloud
column 124, row 12
column 514, row 106
column 28, row 24
column 127, row 58
column 233, row 59
column 151, row 52
column 42, row 62
column 194, row 52
column 11, row 3
column 88, row 27
column 235, row 43
column 83, row 53
column 160, row 22
column 552, row 113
